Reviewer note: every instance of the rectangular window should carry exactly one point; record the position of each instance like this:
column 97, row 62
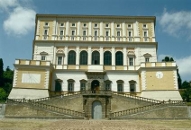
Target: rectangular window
column 43, row 57
column 59, row 62
column 132, row 87
column 95, row 33
column 61, row 32
column 130, row 61
column 82, row 86
column 107, row 33
column 118, row 33
column 129, row 25
column 73, row 24
column 46, row 24
column 146, row 59
column 45, row 32
column 145, row 34
column 119, row 87
column 144, row 25
column 73, row 33
column 107, row 86
column 129, row 33
column 70, row 87
column 84, row 33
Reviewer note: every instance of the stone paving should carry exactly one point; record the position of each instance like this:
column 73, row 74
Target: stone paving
column 42, row 124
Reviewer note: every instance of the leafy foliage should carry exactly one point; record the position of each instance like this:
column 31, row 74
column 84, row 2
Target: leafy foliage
column 6, row 79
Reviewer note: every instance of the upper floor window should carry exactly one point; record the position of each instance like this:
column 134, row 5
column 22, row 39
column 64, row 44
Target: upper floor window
column 83, row 85
column 131, row 62
column 83, row 58
column 61, row 24
column 107, row 58
column 73, row 24
column 43, row 57
column 95, row 33
column 130, row 34
column 118, row 33
column 46, row 23
column 118, row 25
column 145, row 34
column 132, row 85
column 45, row 32
column 95, row 58
column 119, row 58
column 59, row 60
column 95, row 25
column 84, row 24
column 73, row 33
column 119, row 85
column 84, row 33
column 106, row 25
column 70, row 85
column 61, row 32
column 58, row 86
column 146, row 59
column 107, row 33
column 107, row 85
column 144, row 25
column 129, row 25
column 71, row 57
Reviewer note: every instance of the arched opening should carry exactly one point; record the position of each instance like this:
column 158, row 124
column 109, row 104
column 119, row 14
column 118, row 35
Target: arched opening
column 96, row 110
column 107, row 58
column 72, row 58
column 83, row 58
column 58, row 86
column 95, row 58
column 95, row 86
column 119, row 58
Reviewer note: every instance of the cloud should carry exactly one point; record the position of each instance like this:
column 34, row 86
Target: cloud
column 176, row 23
column 20, row 21
column 6, row 4
column 20, row 17
column 184, row 65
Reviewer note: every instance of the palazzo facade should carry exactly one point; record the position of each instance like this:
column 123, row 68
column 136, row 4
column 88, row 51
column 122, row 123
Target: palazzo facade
column 82, row 53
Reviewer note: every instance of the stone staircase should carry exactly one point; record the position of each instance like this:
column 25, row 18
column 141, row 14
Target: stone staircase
column 133, row 111
column 50, row 108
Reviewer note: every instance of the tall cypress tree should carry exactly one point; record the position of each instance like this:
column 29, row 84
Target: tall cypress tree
column 1, row 73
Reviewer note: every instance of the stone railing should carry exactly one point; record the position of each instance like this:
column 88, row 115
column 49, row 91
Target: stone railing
column 145, row 108
column 136, row 97
column 49, row 107
column 96, row 92
column 57, row 96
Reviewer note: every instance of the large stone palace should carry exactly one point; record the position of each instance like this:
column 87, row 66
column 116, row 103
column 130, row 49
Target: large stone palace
column 95, row 57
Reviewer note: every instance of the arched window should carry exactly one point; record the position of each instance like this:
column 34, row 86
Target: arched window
column 119, row 58
column 107, row 58
column 83, row 58
column 71, row 58
column 95, row 58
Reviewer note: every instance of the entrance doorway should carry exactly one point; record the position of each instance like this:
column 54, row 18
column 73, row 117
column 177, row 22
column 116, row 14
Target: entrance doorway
column 96, row 110
column 95, row 86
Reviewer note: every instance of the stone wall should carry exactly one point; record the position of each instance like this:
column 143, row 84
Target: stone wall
column 20, row 110
column 169, row 112
column 74, row 102
column 119, row 103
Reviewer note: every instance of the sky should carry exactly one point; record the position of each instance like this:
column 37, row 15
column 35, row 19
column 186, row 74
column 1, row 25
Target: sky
column 172, row 30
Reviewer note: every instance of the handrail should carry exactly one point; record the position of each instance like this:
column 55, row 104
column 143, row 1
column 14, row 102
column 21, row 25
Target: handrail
column 61, row 95
column 137, row 97
column 49, row 107
column 144, row 108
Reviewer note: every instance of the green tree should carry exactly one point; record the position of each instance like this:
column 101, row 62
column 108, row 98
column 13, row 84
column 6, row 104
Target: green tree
column 1, row 72
column 3, row 94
